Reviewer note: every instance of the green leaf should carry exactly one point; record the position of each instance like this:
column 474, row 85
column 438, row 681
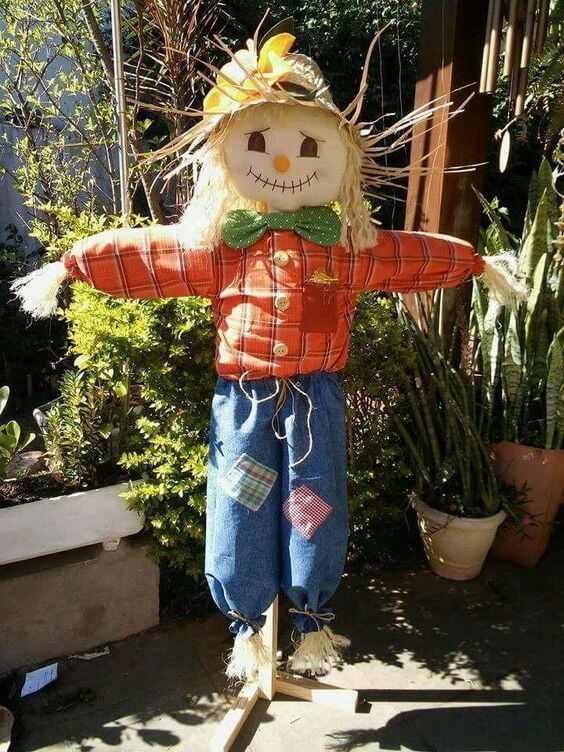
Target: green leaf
column 537, row 242
column 82, row 361
column 120, row 388
column 13, row 429
column 535, row 320
column 512, row 366
column 286, row 26
column 554, row 388
column 4, row 396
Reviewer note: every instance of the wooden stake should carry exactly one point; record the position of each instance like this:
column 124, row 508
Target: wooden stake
column 267, row 674
column 235, row 718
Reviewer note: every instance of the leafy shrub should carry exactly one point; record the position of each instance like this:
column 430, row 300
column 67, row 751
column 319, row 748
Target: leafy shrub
column 167, row 347
column 76, row 430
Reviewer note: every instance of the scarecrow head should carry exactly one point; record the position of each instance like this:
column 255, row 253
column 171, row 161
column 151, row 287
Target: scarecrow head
column 271, row 138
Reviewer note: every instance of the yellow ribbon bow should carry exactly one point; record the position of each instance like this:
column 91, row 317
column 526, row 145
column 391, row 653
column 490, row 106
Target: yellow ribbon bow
column 248, row 74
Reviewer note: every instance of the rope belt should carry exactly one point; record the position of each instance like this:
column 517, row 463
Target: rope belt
column 284, row 386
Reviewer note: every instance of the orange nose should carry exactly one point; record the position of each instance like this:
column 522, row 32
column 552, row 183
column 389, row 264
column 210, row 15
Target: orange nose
column 281, row 163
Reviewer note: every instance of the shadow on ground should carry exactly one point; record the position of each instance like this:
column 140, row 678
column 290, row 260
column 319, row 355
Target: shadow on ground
column 442, row 667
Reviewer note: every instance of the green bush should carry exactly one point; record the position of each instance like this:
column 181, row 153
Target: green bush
column 167, row 347
column 77, row 430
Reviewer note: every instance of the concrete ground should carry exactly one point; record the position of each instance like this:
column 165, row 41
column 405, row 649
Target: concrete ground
column 441, row 666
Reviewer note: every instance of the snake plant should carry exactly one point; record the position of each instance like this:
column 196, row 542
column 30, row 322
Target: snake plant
column 453, row 467
column 519, row 350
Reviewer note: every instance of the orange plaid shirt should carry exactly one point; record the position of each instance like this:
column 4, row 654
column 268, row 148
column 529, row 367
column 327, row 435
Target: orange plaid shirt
column 282, row 306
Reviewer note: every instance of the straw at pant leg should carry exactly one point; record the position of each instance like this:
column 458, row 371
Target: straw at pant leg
column 314, row 518
column 243, row 510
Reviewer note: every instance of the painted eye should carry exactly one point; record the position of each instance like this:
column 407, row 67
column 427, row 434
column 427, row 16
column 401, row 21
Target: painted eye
column 308, row 147
column 256, row 142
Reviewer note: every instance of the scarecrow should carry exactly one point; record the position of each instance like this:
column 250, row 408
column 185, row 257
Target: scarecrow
column 278, row 234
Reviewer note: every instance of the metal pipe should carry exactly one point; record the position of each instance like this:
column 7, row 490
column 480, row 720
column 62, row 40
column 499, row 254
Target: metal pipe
column 486, row 49
column 517, row 42
column 510, row 38
column 526, row 50
column 495, row 42
column 119, row 93
column 542, row 25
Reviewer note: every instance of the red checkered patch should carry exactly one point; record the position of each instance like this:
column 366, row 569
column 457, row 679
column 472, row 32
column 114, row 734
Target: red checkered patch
column 306, row 511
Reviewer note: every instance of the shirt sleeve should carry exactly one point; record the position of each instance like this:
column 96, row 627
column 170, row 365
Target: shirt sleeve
column 147, row 262
column 414, row 262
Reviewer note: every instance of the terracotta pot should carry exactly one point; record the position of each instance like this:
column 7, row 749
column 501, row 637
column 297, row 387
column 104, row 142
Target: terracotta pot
column 456, row 547
column 542, row 470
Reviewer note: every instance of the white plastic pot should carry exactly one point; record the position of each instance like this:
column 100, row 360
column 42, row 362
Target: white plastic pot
column 456, row 547
column 61, row 523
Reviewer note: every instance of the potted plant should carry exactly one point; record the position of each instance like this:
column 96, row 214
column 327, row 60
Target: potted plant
column 457, row 500
column 73, row 504
column 520, row 374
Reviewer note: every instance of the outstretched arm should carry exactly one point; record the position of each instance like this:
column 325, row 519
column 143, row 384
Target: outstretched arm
column 148, row 262
column 414, row 262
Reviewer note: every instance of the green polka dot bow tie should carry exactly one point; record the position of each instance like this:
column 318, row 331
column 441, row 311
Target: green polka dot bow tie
column 318, row 224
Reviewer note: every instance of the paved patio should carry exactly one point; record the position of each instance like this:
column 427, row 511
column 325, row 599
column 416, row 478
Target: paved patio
column 441, row 667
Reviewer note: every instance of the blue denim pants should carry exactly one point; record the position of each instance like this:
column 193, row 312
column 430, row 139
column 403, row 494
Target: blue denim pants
column 277, row 498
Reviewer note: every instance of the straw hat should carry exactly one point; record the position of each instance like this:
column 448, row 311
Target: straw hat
column 267, row 71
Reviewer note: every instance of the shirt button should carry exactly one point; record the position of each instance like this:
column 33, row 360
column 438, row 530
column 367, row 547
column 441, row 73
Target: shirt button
column 281, row 258
column 280, row 349
column 282, row 302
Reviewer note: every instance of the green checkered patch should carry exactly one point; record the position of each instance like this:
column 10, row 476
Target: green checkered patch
column 249, row 482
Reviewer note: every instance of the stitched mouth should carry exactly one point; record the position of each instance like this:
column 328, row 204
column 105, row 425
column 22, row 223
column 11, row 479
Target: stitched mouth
column 284, row 185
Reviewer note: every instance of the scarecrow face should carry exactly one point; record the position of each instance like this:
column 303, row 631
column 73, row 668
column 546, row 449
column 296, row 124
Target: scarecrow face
column 287, row 156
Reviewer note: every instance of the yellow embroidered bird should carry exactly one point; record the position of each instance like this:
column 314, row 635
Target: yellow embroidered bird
column 321, row 277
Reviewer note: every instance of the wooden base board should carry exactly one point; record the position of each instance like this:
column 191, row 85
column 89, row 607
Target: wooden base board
column 293, row 686
column 271, row 682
